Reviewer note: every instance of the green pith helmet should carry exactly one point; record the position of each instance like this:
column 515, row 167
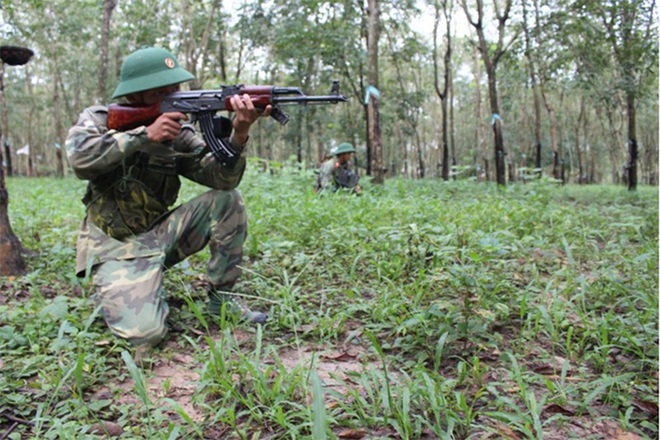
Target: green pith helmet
column 344, row 147
column 149, row 68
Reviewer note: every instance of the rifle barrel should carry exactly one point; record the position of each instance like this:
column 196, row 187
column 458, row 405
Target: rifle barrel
column 303, row 100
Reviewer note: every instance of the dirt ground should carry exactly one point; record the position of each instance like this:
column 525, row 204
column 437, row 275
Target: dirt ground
column 331, row 363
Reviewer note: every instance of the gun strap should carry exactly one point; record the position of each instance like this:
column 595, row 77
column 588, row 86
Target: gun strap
column 222, row 150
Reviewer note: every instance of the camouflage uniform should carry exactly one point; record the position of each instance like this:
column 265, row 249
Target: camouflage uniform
column 129, row 237
column 325, row 180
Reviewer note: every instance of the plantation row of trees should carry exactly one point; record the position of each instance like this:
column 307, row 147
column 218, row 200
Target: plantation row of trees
column 486, row 89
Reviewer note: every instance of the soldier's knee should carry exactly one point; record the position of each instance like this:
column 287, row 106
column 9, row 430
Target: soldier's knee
column 149, row 333
column 147, row 328
column 229, row 205
column 227, row 198
column 151, row 336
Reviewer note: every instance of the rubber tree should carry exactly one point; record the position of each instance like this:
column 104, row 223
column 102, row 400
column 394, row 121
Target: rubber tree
column 11, row 250
column 491, row 54
column 445, row 7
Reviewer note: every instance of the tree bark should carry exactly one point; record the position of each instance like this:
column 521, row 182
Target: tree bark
column 578, row 148
column 373, row 104
column 535, row 90
column 7, row 147
column 443, row 91
column 632, row 144
column 60, row 134
column 375, row 137
column 500, row 153
column 480, row 148
column 108, row 8
column 368, row 137
column 552, row 116
column 11, row 250
column 491, row 59
column 31, row 169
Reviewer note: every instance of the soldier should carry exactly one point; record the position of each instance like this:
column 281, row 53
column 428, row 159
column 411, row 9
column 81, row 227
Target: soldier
column 335, row 173
column 130, row 236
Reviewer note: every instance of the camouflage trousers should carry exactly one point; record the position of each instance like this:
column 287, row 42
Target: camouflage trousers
column 130, row 292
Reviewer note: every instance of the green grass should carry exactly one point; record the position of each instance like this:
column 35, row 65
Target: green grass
column 449, row 310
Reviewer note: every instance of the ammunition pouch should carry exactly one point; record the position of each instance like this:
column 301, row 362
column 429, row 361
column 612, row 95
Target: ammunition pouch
column 127, row 203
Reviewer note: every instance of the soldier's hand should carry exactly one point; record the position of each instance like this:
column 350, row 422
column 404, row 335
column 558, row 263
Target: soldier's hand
column 245, row 114
column 166, row 127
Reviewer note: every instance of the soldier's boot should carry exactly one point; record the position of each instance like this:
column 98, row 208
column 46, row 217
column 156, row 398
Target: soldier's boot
column 234, row 306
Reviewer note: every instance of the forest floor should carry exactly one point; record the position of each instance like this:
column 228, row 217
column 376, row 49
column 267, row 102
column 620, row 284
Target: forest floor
column 420, row 310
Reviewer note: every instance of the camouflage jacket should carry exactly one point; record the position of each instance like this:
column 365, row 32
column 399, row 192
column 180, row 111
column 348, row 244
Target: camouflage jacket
column 133, row 182
column 325, row 180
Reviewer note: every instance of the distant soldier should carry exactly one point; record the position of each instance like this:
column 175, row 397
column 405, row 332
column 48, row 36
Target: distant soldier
column 336, row 173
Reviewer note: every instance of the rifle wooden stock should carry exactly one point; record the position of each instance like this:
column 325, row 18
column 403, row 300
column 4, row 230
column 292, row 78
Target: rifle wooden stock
column 122, row 117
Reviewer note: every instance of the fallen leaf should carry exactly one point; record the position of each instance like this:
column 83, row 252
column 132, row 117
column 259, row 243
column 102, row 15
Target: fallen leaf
column 623, row 435
column 340, row 357
column 352, row 433
column 506, row 432
column 197, row 332
column 649, row 407
column 554, row 408
column 107, row 428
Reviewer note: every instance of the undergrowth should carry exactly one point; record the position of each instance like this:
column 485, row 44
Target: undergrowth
column 457, row 309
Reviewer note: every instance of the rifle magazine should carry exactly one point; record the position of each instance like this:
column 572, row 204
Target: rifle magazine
column 222, row 150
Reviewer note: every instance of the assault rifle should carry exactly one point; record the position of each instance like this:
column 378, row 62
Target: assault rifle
column 202, row 106
column 346, row 178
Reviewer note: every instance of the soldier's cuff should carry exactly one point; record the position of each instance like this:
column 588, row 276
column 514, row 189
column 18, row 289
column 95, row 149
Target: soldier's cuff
column 240, row 147
column 132, row 141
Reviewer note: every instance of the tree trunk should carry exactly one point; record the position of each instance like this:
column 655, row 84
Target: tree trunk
column 480, row 149
column 500, row 166
column 7, row 147
column 373, row 104
column 108, row 8
column 616, row 144
column 4, row 118
column 375, row 137
column 632, row 144
column 496, row 121
column 578, row 148
column 491, row 59
column 553, row 133
column 420, row 156
column 11, row 250
column 443, row 91
column 60, row 134
column 30, row 170
column 535, row 90
column 452, row 130
column 368, row 137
